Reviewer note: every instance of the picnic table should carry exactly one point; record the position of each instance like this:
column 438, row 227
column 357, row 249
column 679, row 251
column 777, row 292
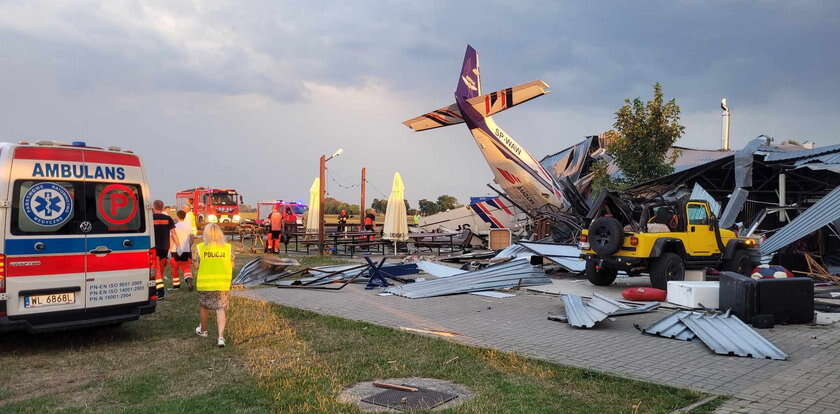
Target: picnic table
column 430, row 240
column 347, row 240
column 310, row 238
column 354, row 239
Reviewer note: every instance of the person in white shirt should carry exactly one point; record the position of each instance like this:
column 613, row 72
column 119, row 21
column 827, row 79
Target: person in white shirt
column 190, row 217
column 182, row 250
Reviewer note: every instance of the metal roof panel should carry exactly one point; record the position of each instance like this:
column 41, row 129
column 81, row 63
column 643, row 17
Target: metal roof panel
column 728, row 335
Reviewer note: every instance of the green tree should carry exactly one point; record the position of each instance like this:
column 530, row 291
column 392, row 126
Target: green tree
column 646, row 131
column 379, row 205
column 427, row 208
column 447, row 202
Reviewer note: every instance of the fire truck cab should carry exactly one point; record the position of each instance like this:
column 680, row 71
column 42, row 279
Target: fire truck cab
column 77, row 246
column 212, row 205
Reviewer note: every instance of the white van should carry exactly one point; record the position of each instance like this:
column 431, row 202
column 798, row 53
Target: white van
column 77, row 243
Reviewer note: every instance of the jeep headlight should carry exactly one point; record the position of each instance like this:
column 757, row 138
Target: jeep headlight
column 212, row 218
column 236, row 218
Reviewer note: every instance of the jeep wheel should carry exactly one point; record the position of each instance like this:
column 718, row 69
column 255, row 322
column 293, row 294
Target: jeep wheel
column 605, row 235
column 669, row 266
column 740, row 263
column 599, row 277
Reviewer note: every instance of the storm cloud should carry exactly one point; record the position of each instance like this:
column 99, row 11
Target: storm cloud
column 249, row 94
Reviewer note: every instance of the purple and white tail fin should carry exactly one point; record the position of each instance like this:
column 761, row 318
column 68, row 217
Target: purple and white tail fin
column 469, row 84
column 469, row 89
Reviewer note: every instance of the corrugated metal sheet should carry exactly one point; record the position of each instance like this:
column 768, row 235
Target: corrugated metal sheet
column 671, row 327
column 581, row 315
column 517, row 272
column 513, row 251
column 700, row 193
column 728, row 335
column 605, row 305
column 829, row 162
column 821, row 213
column 831, row 158
column 733, row 208
column 616, row 308
column 792, row 155
column 566, row 256
column 439, row 270
column 724, row 334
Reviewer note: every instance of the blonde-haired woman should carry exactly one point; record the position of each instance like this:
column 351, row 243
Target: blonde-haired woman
column 215, row 270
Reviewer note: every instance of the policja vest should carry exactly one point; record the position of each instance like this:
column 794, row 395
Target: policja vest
column 215, row 268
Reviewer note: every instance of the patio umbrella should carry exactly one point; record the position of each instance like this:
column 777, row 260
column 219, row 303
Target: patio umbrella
column 312, row 218
column 396, row 220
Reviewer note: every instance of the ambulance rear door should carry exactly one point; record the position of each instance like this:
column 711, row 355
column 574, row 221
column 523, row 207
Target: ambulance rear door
column 118, row 240
column 45, row 241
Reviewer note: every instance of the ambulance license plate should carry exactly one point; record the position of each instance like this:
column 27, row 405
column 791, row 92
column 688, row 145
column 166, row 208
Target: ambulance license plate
column 67, row 298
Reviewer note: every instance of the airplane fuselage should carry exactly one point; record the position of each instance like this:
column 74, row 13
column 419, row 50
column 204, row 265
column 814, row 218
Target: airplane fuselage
column 521, row 176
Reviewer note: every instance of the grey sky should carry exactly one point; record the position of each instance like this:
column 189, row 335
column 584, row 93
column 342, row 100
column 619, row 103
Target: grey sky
column 249, row 94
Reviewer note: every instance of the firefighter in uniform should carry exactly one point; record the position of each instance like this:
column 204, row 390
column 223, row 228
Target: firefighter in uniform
column 164, row 235
column 215, row 272
column 275, row 220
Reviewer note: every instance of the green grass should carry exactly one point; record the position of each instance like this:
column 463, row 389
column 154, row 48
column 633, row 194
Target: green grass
column 287, row 360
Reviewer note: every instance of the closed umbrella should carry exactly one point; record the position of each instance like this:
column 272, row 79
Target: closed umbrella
column 312, row 217
column 396, row 220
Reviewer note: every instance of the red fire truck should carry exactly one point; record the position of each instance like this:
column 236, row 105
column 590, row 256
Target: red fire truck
column 212, row 205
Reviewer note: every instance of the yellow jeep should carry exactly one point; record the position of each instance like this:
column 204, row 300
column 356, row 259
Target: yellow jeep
column 667, row 239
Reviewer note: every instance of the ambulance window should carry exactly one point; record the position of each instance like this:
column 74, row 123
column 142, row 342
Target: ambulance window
column 119, row 208
column 46, row 207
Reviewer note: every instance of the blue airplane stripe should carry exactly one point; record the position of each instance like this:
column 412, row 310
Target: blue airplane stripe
column 71, row 245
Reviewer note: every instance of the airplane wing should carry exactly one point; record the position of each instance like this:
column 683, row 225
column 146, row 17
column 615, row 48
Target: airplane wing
column 495, row 102
column 441, row 117
column 487, row 104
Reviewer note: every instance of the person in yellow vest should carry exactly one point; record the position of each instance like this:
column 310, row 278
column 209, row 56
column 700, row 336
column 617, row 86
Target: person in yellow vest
column 214, row 258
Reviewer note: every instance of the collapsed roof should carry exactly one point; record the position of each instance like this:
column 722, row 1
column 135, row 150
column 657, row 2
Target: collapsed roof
column 765, row 184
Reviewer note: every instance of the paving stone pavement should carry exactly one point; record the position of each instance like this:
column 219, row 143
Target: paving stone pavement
column 808, row 382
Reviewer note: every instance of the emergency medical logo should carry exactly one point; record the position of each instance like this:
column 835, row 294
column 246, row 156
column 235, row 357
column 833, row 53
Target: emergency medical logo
column 47, row 204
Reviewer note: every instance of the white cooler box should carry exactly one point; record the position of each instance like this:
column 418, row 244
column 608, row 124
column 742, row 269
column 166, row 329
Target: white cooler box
column 692, row 294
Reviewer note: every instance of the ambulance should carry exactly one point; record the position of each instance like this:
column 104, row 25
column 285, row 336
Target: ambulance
column 77, row 244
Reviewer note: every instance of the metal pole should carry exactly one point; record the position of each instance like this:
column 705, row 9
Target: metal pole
column 726, row 125
column 782, row 197
column 362, row 205
column 322, row 194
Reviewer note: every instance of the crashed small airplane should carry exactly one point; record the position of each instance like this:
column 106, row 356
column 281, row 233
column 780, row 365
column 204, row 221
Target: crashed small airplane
column 519, row 174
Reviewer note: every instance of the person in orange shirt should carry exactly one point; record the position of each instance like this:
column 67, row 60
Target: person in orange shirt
column 289, row 224
column 276, row 228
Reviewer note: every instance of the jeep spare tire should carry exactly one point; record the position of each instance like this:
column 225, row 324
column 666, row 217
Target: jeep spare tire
column 605, row 234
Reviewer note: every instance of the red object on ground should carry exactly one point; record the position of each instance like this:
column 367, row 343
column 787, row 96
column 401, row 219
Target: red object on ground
column 644, row 294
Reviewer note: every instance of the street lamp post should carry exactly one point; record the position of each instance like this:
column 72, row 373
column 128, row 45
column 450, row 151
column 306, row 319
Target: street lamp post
column 322, row 192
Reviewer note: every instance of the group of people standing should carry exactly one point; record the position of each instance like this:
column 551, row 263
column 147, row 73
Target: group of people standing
column 173, row 246
column 212, row 255
column 368, row 222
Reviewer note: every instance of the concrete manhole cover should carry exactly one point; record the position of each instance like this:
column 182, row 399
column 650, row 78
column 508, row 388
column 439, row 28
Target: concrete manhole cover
column 364, row 390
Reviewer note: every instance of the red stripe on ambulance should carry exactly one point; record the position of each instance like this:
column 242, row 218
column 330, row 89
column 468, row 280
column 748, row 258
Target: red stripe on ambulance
column 44, row 265
column 117, row 261
column 76, row 155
